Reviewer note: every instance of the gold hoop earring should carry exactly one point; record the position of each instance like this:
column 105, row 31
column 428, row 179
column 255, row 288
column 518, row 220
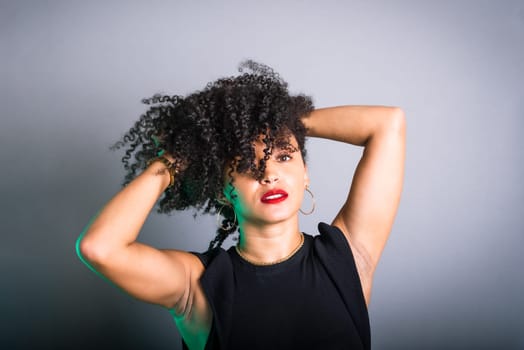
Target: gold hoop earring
column 314, row 204
column 229, row 225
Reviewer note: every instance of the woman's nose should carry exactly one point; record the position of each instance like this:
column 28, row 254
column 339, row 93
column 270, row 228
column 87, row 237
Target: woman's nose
column 270, row 175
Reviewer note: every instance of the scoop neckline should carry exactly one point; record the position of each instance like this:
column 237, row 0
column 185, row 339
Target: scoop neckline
column 291, row 261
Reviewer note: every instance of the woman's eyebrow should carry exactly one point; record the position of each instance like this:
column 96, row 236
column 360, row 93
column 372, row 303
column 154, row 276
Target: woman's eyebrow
column 285, row 146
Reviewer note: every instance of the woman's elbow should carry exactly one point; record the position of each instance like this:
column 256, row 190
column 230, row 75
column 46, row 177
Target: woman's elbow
column 396, row 121
column 90, row 251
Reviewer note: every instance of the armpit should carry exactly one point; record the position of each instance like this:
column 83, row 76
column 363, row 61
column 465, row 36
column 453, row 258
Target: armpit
column 365, row 268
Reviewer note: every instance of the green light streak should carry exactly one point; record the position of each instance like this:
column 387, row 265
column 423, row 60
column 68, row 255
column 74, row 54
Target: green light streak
column 79, row 253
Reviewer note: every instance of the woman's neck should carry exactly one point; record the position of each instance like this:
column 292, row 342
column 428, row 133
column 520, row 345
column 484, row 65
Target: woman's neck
column 269, row 243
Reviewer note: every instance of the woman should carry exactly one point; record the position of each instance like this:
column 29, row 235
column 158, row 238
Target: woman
column 236, row 149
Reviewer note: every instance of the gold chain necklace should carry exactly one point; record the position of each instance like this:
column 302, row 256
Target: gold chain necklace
column 259, row 263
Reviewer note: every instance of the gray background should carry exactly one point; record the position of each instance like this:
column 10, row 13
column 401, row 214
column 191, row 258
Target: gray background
column 72, row 77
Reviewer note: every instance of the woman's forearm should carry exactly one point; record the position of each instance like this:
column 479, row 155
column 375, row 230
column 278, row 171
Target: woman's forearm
column 119, row 222
column 352, row 124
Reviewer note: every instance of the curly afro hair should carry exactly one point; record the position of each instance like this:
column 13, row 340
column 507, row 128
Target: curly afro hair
column 211, row 133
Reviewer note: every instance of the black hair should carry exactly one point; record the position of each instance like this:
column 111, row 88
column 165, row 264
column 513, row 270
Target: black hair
column 208, row 129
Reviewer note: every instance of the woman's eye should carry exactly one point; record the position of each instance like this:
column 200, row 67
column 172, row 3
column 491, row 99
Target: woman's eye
column 284, row 157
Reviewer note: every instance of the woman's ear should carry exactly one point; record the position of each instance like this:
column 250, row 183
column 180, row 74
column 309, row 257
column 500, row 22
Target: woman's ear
column 222, row 198
column 306, row 176
column 227, row 195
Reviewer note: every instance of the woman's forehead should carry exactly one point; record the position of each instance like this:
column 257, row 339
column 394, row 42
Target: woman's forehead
column 286, row 141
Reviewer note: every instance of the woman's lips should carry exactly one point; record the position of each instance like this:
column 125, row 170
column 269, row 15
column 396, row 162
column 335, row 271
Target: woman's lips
column 274, row 196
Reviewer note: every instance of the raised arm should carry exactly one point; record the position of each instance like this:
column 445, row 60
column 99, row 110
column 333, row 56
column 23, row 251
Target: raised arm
column 367, row 215
column 109, row 246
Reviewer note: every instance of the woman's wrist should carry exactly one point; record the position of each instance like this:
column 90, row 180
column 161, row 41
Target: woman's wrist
column 163, row 171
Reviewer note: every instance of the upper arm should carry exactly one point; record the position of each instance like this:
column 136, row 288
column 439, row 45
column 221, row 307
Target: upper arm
column 164, row 277
column 367, row 216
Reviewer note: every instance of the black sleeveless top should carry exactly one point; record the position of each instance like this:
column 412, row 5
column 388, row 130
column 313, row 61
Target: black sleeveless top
column 311, row 301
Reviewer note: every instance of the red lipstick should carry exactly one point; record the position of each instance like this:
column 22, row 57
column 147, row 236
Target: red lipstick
column 274, row 196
